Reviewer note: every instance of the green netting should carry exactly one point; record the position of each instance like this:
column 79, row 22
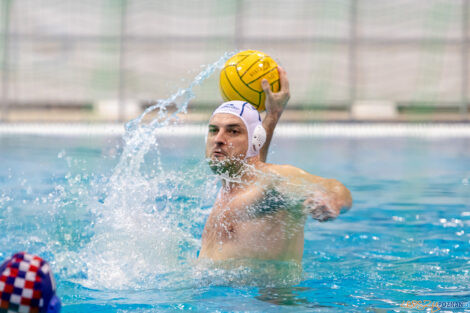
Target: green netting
column 335, row 51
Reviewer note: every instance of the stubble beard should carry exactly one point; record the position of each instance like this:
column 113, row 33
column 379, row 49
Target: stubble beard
column 229, row 167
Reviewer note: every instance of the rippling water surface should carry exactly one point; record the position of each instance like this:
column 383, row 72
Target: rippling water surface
column 129, row 245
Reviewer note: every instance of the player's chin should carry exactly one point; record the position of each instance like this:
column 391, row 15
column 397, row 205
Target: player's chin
column 224, row 165
column 216, row 160
column 217, row 164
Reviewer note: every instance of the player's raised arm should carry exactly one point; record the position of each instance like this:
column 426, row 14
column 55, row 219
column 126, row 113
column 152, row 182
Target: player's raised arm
column 275, row 104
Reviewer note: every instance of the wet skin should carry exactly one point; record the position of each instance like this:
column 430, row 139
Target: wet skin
column 261, row 208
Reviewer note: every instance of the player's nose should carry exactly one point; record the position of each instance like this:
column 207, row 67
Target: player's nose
column 220, row 138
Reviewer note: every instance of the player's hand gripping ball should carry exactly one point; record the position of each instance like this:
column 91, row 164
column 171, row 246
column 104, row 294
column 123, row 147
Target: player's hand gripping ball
column 241, row 77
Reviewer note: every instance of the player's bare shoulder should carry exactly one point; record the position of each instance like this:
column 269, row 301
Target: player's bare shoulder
column 282, row 177
column 278, row 169
column 286, row 172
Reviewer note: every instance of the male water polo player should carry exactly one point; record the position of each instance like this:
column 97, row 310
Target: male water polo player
column 261, row 209
column 27, row 285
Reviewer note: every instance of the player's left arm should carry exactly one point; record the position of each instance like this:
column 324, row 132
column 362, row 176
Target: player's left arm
column 327, row 204
column 323, row 198
column 275, row 104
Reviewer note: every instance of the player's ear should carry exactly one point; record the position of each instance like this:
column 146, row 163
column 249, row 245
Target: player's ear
column 259, row 138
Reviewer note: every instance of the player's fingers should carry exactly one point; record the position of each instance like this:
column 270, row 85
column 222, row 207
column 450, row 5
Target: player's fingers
column 321, row 218
column 266, row 87
column 308, row 201
column 317, row 214
column 283, row 79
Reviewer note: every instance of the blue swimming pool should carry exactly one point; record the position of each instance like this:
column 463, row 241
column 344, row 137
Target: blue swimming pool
column 127, row 241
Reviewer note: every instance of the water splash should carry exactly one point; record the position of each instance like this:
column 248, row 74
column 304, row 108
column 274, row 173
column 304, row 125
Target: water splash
column 139, row 137
column 146, row 226
column 135, row 238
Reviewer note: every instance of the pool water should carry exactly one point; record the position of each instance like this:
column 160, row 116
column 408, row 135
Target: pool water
column 127, row 241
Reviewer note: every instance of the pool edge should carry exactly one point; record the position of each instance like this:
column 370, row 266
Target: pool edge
column 359, row 130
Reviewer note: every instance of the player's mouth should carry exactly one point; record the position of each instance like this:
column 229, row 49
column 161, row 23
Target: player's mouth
column 218, row 153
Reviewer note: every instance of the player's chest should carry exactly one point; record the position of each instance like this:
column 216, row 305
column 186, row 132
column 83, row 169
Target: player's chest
column 230, row 211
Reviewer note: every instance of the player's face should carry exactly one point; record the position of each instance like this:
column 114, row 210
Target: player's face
column 227, row 138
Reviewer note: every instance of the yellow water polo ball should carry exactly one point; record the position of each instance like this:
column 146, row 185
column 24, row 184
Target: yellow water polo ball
column 241, row 77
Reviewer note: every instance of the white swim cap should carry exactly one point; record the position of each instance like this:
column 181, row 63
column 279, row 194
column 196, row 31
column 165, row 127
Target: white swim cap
column 250, row 116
